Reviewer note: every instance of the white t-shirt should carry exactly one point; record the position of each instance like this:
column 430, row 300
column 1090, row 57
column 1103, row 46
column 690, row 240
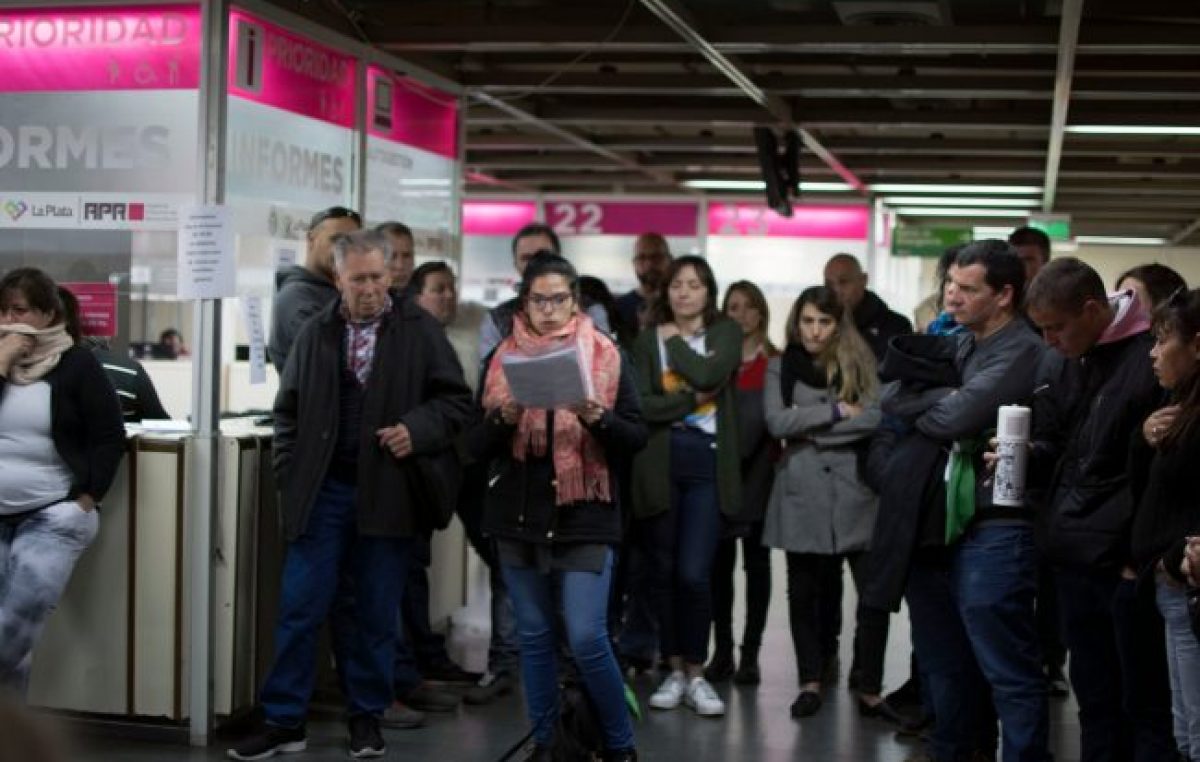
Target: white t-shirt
column 32, row 475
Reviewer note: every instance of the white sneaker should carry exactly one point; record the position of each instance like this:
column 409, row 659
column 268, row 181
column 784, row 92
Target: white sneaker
column 701, row 697
column 670, row 693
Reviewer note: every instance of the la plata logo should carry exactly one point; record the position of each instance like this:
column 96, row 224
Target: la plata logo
column 116, row 212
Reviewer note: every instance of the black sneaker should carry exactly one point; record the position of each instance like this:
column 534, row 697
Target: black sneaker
column 268, row 742
column 365, row 739
column 446, row 671
column 490, row 687
column 720, row 668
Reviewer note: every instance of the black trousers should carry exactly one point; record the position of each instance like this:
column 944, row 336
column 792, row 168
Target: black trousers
column 808, row 583
column 756, row 562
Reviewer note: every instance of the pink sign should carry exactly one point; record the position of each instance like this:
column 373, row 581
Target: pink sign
column 97, row 307
column 405, row 111
column 497, row 217
column 152, row 47
column 270, row 65
column 845, row 222
column 622, row 218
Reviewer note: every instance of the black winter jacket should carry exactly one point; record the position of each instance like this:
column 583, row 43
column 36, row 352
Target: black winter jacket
column 415, row 379
column 85, row 422
column 878, row 324
column 520, row 502
column 1168, row 501
column 1085, row 414
column 299, row 294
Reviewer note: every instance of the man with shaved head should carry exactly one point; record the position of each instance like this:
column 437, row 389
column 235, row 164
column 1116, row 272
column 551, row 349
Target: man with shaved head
column 877, row 324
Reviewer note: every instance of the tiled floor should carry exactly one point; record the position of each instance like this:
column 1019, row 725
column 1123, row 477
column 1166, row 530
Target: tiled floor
column 756, row 727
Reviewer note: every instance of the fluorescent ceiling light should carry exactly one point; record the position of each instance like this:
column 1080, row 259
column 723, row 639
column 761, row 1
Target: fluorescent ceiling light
column 1130, row 129
column 997, row 190
column 1023, row 203
column 980, row 232
column 937, row 211
column 757, row 185
column 1121, row 240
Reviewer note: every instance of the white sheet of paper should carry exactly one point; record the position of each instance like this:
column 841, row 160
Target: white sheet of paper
column 252, row 318
column 552, row 380
column 207, row 253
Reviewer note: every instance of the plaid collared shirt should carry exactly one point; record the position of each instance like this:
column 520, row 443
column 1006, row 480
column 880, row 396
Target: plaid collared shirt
column 360, row 341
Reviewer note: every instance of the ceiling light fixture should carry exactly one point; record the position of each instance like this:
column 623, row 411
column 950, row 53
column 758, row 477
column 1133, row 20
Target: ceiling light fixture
column 1131, row 129
column 757, row 185
column 1023, row 203
column 995, row 190
column 938, row 211
column 1121, row 240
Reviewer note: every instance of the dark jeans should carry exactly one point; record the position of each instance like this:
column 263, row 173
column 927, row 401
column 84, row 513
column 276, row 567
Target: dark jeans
column 995, row 577
column 639, row 628
column 417, row 645
column 1054, row 653
column 311, row 569
column 950, row 678
column 685, row 541
column 580, row 598
column 808, row 574
column 756, row 562
column 1118, row 666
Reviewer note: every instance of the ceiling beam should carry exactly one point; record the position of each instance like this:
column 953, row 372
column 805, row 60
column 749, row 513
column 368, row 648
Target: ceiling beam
column 1186, row 232
column 567, row 136
column 1068, row 40
column 675, row 17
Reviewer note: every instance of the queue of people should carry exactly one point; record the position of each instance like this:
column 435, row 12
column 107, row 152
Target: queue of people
column 611, row 527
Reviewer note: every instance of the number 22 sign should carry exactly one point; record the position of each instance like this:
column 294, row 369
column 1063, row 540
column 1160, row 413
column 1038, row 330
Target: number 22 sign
column 577, row 219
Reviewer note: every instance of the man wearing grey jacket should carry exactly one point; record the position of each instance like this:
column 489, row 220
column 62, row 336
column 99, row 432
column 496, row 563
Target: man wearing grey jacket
column 973, row 603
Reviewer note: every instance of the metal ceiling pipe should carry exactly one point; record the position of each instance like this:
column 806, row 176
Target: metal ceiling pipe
column 1068, row 42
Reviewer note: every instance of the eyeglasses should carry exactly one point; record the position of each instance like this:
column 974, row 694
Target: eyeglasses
column 540, row 302
column 335, row 213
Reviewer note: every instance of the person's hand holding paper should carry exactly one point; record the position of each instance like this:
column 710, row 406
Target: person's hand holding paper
column 555, row 379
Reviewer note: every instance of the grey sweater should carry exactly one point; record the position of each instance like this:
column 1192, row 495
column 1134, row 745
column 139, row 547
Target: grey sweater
column 999, row 370
column 299, row 294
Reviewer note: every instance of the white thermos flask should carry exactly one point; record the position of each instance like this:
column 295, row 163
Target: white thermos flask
column 1012, row 433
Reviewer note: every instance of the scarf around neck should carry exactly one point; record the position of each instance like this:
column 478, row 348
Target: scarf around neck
column 49, row 346
column 580, row 469
column 797, row 366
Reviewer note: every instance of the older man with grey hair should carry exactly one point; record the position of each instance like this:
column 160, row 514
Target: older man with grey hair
column 371, row 397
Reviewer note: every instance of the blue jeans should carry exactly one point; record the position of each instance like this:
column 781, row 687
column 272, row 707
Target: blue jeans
column 1183, row 660
column 583, row 603
column 951, row 682
column 994, row 574
column 311, row 572
column 685, row 539
column 1117, row 654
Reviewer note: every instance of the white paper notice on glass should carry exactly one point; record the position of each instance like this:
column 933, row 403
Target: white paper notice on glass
column 252, row 319
column 207, row 254
column 552, row 380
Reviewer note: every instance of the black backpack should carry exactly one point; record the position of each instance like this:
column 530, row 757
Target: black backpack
column 578, row 736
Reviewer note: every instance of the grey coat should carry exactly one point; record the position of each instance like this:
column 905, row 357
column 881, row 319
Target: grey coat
column 819, row 502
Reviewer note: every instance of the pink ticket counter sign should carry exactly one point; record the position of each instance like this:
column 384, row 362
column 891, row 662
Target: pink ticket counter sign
column 842, row 221
column 97, row 307
column 497, row 217
column 270, row 65
column 150, row 47
column 404, row 111
column 570, row 218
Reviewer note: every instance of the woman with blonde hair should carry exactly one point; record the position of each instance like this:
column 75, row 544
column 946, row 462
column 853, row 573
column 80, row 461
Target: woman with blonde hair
column 821, row 401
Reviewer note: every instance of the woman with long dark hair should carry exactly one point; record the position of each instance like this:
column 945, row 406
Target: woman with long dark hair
column 745, row 304
column 822, row 402
column 61, row 439
column 553, row 502
column 689, row 475
column 1168, row 512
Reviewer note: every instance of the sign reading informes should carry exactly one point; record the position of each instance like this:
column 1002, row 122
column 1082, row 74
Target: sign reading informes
column 570, row 218
column 150, row 47
column 841, row 222
column 412, row 158
column 930, row 242
column 97, row 307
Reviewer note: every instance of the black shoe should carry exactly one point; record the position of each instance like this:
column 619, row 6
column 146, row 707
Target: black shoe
column 1056, row 682
column 747, row 671
column 883, row 710
column 915, row 726
column 906, row 698
column 446, row 671
column 427, row 698
column 402, row 717
column 721, row 668
column 270, row 741
column 621, row 755
column 489, row 688
column 537, row 753
column 365, row 739
column 806, row 704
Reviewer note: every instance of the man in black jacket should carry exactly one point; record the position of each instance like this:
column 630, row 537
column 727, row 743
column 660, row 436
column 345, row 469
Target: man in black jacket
column 874, row 320
column 1094, row 392
column 371, row 396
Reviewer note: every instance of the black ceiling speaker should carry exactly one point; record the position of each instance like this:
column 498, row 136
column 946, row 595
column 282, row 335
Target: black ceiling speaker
column 791, row 162
column 772, row 165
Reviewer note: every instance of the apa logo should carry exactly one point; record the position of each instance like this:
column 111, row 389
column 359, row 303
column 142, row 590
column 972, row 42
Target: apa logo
column 120, row 212
column 15, row 209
